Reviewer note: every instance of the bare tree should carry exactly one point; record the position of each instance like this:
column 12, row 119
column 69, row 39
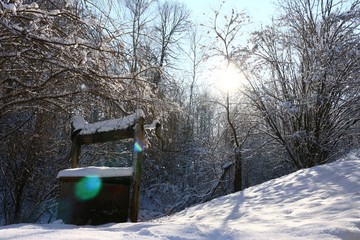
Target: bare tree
column 140, row 16
column 172, row 26
column 227, row 36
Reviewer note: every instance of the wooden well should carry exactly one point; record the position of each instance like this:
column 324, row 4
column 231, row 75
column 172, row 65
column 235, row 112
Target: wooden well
column 112, row 201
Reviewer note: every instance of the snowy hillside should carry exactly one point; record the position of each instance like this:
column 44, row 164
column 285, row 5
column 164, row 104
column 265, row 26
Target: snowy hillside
column 318, row 203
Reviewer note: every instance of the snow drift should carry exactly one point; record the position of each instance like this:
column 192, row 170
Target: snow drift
column 318, row 203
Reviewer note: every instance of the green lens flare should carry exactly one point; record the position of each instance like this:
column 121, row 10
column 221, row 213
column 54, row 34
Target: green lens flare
column 138, row 146
column 88, row 188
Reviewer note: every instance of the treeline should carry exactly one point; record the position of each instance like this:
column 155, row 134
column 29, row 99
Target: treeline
column 104, row 59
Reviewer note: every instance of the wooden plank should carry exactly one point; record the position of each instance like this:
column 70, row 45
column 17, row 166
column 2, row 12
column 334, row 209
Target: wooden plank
column 101, row 137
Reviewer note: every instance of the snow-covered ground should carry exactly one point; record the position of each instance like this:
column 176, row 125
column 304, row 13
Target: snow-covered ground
column 318, row 203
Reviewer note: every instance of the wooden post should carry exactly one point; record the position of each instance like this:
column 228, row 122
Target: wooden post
column 138, row 156
column 75, row 145
column 75, row 152
column 77, row 123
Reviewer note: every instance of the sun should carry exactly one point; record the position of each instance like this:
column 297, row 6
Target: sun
column 227, row 77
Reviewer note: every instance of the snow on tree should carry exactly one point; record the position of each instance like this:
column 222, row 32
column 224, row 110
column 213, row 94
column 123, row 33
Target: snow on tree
column 55, row 60
column 306, row 85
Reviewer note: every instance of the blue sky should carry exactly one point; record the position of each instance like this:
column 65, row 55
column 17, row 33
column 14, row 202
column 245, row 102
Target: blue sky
column 259, row 10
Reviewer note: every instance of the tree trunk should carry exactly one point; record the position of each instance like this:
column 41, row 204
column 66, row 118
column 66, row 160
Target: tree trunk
column 238, row 170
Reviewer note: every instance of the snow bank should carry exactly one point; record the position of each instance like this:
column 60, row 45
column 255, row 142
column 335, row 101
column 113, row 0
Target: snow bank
column 97, row 171
column 317, row 203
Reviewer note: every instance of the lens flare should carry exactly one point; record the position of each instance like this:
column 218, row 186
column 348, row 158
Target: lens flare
column 138, row 146
column 88, row 188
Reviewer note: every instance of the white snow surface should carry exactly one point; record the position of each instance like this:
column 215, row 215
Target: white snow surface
column 107, row 125
column 317, row 203
column 96, row 171
column 152, row 126
column 9, row 6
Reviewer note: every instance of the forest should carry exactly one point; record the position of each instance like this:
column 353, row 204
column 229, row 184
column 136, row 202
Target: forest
column 236, row 108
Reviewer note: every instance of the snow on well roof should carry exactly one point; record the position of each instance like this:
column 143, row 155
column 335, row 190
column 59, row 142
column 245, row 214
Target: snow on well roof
column 79, row 123
column 97, row 171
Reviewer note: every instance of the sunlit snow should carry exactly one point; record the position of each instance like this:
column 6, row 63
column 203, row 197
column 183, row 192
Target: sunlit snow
column 318, row 203
column 96, row 171
column 107, row 125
